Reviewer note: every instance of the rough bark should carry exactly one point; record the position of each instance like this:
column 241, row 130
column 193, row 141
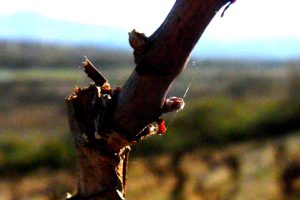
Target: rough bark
column 105, row 122
column 159, row 59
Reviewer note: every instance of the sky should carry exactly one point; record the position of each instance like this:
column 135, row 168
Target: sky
column 244, row 19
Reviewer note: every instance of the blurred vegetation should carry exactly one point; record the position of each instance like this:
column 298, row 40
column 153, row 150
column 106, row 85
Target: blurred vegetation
column 22, row 55
column 229, row 102
column 26, row 154
column 217, row 122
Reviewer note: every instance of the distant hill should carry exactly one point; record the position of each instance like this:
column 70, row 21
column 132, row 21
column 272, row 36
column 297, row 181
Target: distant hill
column 35, row 27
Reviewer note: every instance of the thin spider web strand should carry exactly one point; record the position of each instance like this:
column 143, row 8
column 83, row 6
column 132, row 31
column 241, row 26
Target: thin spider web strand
column 184, row 95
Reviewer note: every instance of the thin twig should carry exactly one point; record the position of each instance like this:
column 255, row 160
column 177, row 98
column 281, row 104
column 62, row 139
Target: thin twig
column 93, row 73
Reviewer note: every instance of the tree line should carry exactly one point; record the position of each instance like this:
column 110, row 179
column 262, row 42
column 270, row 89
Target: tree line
column 29, row 54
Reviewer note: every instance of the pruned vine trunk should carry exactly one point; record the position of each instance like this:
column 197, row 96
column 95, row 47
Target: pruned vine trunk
column 105, row 122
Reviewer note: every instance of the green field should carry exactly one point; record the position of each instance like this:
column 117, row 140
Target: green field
column 234, row 112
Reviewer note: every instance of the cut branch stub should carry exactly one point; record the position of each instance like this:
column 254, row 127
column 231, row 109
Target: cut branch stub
column 105, row 121
column 102, row 153
column 100, row 144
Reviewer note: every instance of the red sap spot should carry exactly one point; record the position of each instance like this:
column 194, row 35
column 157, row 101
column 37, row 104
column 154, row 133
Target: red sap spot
column 161, row 126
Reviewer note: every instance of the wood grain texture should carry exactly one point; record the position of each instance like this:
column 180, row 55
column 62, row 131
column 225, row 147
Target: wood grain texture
column 105, row 122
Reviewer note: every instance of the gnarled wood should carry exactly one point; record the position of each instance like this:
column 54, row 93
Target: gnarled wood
column 159, row 60
column 105, row 122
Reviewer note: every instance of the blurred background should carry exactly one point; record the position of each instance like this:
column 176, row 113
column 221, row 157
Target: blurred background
column 237, row 138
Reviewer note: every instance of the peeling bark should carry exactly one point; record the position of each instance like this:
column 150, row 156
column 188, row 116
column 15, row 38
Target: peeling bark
column 105, row 122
